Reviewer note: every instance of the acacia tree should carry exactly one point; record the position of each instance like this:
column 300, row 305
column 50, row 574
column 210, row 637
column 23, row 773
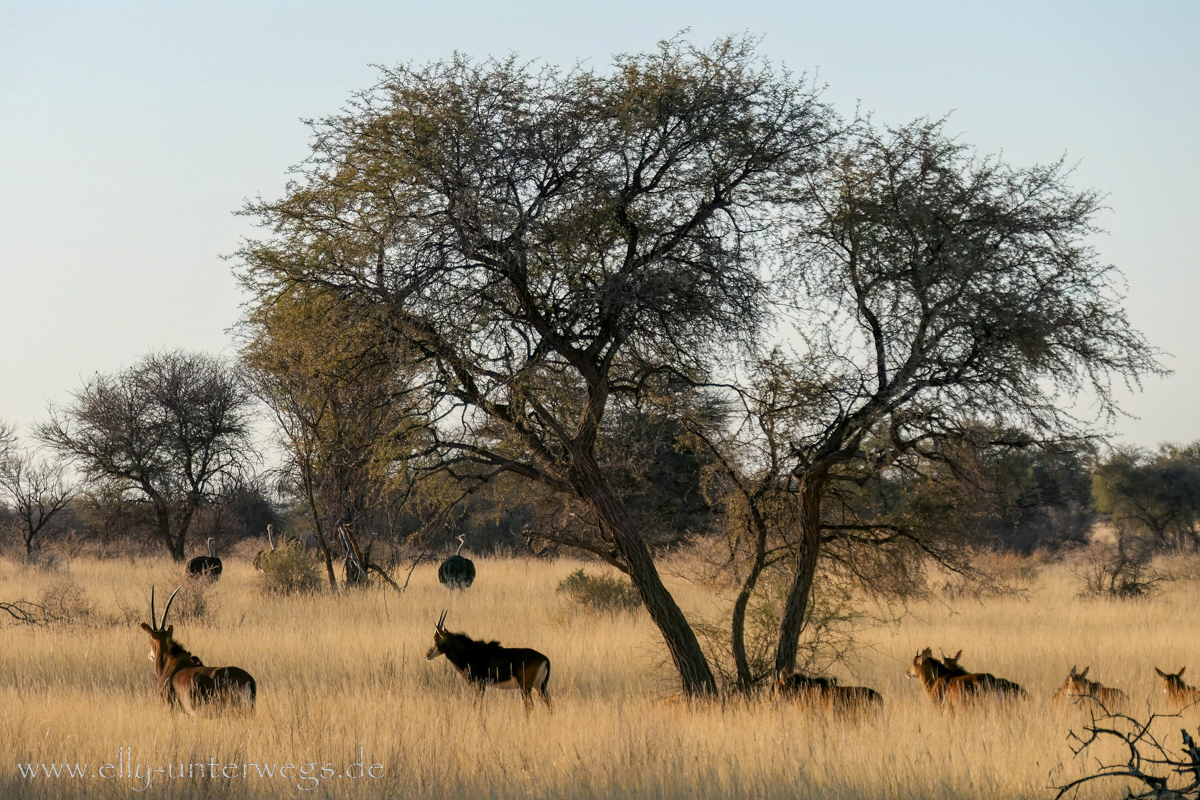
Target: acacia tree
column 1158, row 493
column 545, row 241
column 934, row 288
column 166, row 432
column 38, row 490
column 348, row 412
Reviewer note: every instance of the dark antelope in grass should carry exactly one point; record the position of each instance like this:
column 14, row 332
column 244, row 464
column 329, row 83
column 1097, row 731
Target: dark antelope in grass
column 183, row 679
column 953, row 685
column 486, row 664
column 1178, row 692
column 826, row 693
column 1077, row 686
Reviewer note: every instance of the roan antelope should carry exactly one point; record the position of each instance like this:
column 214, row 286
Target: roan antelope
column 1176, row 690
column 1077, row 686
column 486, row 664
column 954, row 685
column 208, row 566
column 184, row 679
column 826, row 693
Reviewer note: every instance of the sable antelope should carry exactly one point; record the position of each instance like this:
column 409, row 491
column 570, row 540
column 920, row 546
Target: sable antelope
column 1176, row 690
column 183, row 678
column 826, row 692
column 954, row 685
column 1078, row 686
column 208, row 566
column 487, row 663
column 457, row 571
column 953, row 670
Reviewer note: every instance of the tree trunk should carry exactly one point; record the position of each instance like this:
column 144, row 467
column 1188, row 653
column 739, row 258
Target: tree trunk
column 681, row 641
column 807, row 549
column 306, row 479
column 174, row 544
column 738, row 623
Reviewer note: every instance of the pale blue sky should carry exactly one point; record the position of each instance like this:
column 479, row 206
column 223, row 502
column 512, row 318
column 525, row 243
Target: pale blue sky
column 131, row 132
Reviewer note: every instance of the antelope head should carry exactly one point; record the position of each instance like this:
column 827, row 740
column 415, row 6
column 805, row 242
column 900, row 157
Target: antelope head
column 161, row 634
column 919, row 661
column 439, row 638
column 1172, row 682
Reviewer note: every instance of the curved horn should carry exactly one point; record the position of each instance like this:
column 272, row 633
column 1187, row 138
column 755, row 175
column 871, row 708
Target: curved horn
column 153, row 618
column 163, row 625
column 211, row 554
column 270, row 537
column 441, row 620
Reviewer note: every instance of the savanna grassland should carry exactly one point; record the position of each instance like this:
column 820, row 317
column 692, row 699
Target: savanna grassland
column 339, row 674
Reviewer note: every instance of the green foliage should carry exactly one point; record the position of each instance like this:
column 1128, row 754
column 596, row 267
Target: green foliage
column 289, row 570
column 600, row 593
column 1156, row 494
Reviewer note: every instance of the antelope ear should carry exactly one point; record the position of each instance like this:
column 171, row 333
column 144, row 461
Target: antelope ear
column 1085, row 670
column 927, row 653
column 1161, row 674
column 1180, row 673
column 170, row 628
column 148, row 629
column 956, row 655
column 1073, row 672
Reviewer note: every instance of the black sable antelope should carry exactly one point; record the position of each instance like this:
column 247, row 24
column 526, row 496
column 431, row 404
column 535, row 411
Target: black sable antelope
column 826, row 693
column 488, row 664
column 208, row 566
column 457, row 571
column 183, row 679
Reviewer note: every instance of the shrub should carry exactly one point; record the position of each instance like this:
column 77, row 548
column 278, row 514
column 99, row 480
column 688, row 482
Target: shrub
column 289, row 569
column 1122, row 569
column 600, row 593
column 65, row 601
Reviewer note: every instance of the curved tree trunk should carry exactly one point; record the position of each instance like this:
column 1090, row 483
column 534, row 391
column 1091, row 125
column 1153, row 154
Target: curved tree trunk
column 738, row 622
column 694, row 672
column 795, row 609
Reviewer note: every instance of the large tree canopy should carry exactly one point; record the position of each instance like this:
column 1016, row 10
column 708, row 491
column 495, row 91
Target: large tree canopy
column 546, row 240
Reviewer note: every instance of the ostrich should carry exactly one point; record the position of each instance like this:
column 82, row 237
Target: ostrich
column 261, row 554
column 457, row 571
column 208, row 566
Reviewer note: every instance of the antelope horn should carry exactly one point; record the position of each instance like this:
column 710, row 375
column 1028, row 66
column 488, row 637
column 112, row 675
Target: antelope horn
column 270, row 537
column 441, row 620
column 153, row 617
column 163, row 625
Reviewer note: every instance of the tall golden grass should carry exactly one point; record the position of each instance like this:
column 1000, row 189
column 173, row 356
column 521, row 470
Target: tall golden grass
column 336, row 674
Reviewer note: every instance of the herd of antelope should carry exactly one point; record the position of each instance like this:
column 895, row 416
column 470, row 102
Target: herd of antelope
column 184, row 680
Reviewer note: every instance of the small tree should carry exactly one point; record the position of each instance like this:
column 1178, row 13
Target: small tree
column 166, row 432
column 38, row 491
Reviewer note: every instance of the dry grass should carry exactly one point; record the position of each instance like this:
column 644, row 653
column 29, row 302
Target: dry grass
column 337, row 674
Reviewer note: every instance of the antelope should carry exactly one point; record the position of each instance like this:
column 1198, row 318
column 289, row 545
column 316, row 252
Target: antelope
column 1077, row 686
column 183, row 678
column 206, row 566
column 1176, row 690
column 487, row 663
column 952, row 684
column 457, row 571
column 826, row 692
